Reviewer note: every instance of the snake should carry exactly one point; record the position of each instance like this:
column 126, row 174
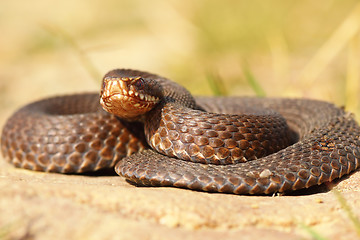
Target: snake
column 153, row 132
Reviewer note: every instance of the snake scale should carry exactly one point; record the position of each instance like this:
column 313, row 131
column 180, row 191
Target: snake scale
column 156, row 134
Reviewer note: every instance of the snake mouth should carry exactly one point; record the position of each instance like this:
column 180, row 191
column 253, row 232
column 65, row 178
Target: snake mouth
column 126, row 97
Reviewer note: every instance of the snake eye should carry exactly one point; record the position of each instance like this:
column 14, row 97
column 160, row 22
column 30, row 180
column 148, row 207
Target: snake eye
column 139, row 84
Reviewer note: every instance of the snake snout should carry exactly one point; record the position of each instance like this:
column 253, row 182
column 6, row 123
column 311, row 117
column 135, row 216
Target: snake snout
column 127, row 97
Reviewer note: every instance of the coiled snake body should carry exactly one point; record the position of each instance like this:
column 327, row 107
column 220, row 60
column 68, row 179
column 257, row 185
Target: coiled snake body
column 272, row 145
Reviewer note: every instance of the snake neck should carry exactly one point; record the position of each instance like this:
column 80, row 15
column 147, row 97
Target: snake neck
column 211, row 138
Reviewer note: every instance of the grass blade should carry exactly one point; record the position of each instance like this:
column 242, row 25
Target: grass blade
column 349, row 212
column 216, row 84
column 259, row 91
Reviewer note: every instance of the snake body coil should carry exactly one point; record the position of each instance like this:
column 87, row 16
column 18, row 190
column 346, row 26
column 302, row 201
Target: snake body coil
column 274, row 145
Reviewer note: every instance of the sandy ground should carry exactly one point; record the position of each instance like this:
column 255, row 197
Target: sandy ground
column 36, row 205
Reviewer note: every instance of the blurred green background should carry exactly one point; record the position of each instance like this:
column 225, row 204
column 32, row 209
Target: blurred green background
column 274, row 48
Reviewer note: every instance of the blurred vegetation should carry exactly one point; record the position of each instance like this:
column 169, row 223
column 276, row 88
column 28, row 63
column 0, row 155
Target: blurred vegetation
column 275, row 48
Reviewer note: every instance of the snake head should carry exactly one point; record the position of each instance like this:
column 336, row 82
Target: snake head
column 128, row 96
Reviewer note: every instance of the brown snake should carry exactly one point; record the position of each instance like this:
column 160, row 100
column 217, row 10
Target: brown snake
column 272, row 145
